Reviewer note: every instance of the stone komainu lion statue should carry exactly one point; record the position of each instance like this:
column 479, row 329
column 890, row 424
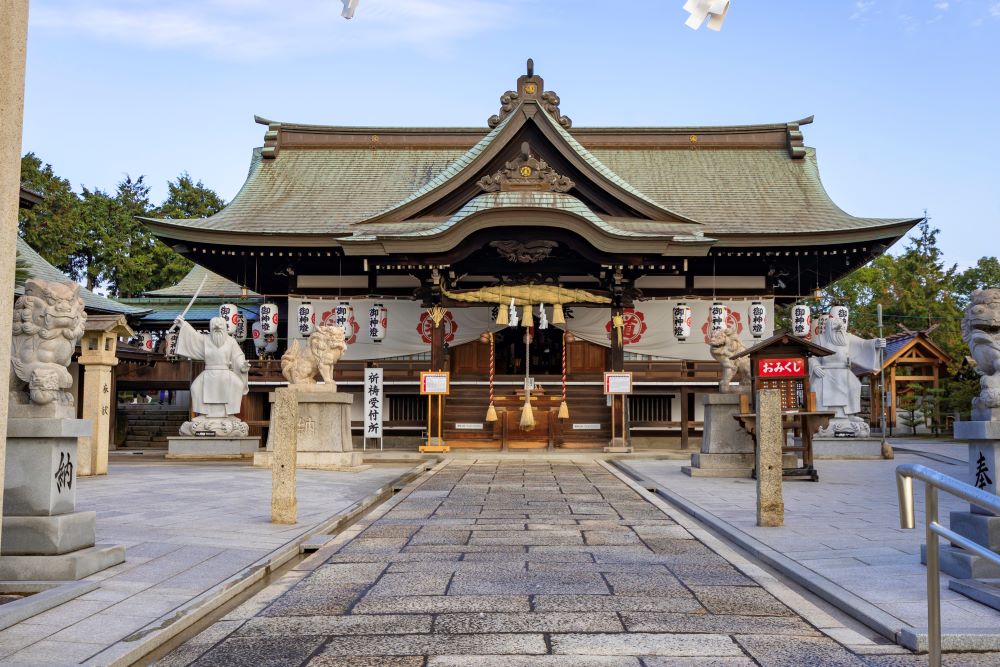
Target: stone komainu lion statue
column 48, row 323
column 981, row 331
column 724, row 345
column 326, row 345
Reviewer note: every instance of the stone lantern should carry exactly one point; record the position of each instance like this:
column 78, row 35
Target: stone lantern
column 98, row 358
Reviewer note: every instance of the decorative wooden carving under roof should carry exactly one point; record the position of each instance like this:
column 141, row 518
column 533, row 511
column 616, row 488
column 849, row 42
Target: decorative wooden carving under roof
column 530, row 87
column 525, row 173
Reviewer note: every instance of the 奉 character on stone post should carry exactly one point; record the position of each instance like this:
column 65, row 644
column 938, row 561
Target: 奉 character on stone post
column 217, row 392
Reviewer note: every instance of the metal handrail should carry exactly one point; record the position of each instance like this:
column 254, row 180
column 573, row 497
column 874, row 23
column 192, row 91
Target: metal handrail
column 934, row 481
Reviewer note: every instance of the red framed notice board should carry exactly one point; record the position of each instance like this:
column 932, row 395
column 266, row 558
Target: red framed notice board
column 433, row 383
column 617, row 383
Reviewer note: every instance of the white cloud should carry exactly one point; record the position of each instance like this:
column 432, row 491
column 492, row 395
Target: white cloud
column 941, row 6
column 249, row 30
column 861, row 8
column 995, row 9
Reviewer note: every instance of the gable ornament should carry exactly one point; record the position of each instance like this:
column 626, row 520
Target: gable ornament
column 526, row 172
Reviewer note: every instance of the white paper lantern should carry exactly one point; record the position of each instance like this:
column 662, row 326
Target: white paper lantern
column 342, row 315
column 757, row 317
column 306, row 318
column 268, row 318
column 258, row 337
column 229, row 312
column 717, row 316
column 240, row 334
column 682, row 321
column 842, row 313
column 171, row 347
column 378, row 322
column 144, row 340
column 801, row 320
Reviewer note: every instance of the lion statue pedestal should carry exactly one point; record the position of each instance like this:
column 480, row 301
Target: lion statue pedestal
column 981, row 331
column 44, row 537
column 324, row 428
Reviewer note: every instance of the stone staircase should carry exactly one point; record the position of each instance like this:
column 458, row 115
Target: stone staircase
column 148, row 426
column 467, row 406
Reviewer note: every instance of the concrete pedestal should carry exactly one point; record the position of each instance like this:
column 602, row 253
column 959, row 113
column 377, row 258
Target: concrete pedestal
column 208, row 448
column 977, row 524
column 323, row 431
column 846, row 448
column 726, row 448
column 44, row 538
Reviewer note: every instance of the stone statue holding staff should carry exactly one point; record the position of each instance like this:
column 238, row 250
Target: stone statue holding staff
column 217, row 392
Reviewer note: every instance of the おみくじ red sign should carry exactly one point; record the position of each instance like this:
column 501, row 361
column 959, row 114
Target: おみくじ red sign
column 778, row 368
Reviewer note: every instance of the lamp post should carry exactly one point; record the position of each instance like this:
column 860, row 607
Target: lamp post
column 13, row 46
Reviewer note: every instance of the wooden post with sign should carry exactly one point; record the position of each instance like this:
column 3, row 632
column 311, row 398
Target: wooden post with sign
column 435, row 384
column 618, row 386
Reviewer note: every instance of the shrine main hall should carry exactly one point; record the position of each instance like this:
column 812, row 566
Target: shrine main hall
column 529, row 255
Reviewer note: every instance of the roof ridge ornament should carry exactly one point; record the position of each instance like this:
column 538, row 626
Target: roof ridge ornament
column 525, row 173
column 530, row 88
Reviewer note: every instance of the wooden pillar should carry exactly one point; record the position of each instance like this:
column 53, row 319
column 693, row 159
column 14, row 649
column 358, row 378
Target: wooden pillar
column 13, row 47
column 437, row 348
column 617, row 342
column 893, row 399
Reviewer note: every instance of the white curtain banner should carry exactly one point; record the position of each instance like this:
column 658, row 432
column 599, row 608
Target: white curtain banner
column 648, row 326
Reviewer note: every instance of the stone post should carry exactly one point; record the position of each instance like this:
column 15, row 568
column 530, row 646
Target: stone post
column 98, row 356
column 284, row 437
column 13, row 47
column 770, row 505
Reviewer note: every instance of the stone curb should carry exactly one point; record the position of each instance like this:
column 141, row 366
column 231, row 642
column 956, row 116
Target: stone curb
column 858, row 608
column 158, row 632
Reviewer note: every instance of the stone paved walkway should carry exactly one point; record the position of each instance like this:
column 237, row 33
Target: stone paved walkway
column 520, row 563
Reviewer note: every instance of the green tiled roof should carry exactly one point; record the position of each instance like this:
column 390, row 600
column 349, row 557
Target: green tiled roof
column 39, row 268
column 729, row 191
column 215, row 285
column 498, row 200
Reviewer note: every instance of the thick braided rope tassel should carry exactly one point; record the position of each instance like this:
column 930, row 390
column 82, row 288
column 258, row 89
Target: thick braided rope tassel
column 563, row 407
column 491, row 412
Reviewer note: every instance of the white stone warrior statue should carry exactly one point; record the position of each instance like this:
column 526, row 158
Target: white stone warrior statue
column 833, row 381
column 48, row 322
column 981, row 331
column 217, row 392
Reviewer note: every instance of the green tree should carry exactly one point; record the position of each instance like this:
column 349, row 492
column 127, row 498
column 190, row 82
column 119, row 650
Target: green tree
column 52, row 226
column 185, row 199
column 985, row 274
column 908, row 403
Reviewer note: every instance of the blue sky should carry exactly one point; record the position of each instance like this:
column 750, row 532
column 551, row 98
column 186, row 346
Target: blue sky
column 905, row 92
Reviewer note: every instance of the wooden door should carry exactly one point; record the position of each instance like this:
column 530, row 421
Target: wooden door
column 470, row 359
column 584, row 357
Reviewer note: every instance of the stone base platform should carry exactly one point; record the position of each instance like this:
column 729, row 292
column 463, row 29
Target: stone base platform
column 961, row 564
column 986, row 591
column 64, row 567
column 195, row 448
column 343, row 461
column 728, row 465
column 47, row 535
column 846, row 448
